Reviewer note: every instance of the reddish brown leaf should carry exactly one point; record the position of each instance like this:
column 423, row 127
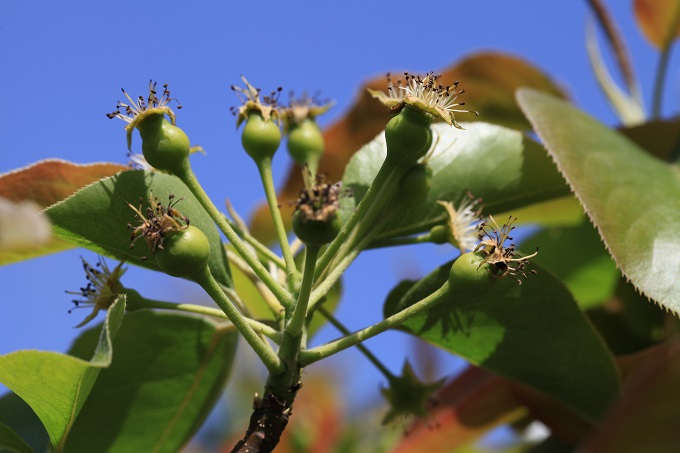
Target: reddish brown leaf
column 489, row 79
column 49, row 181
column 464, row 410
column 563, row 423
column 658, row 20
column 45, row 183
column 648, row 416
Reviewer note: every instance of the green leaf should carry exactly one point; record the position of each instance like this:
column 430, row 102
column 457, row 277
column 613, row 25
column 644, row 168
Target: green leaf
column 533, row 333
column 15, row 413
column 168, row 370
column 502, row 166
column 629, row 323
column 97, row 216
column 577, row 256
column 11, row 442
column 56, row 386
column 565, row 211
column 633, row 198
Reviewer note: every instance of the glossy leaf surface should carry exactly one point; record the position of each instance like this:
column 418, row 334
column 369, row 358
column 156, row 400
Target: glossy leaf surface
column 500, row 165
column 533, row 333
column 55, row 385
column 167, row 372
column 632, row 197
column 578, row 257
column 97, row 216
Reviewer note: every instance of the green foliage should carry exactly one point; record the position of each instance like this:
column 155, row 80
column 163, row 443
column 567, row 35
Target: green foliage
column 578, row 346
column 578, row 257
column 500, row 330
column 56, row 386
column 504, row 168
column 96, row 217
column 20, row 418
column 633, row 198
column 167, row 374
column 11, row 442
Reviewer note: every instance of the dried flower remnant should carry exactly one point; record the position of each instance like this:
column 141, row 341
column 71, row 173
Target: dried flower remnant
column 504, row 259
column 304, row 107
column 425, row 94
column 134, row 112
column 157, row 222
column 316, row 220
column 102, row 289
column 318, row 200
column 463, row 224
column 250, row 98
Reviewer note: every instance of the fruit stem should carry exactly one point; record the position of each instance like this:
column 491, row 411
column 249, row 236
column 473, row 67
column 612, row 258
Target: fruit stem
column 369, row 207
column 259, row 327
column 266, row 253
column 296, row 324
column 265, row 168
column 424, row 238
column 363, row 349
column 187, row 176
column 662, row 66
column 263, row 350
column 314, row 355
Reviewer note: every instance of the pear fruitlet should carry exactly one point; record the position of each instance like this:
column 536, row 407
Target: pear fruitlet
column 184, row 253
column 261, row 138
column 470, row 276
column 305, row 142
column 164, row 145
column 316, row 232
column 408, row 135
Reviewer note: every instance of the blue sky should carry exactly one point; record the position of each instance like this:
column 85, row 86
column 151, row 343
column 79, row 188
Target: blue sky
column 65, row 63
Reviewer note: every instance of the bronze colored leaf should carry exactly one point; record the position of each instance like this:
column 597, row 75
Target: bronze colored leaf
column 464, row 410
column 658, row 20
column 45, row 183
column 648, row 416
column 49, row 181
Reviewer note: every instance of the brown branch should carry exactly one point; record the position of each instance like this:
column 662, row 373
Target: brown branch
column 616, row 42
column 267, row 423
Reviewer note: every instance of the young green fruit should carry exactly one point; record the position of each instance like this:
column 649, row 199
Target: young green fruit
column 164, row 145
column 439, row 234
column 415, row 184
column 185, row 252
column 471, row 275
column 305, row 142
column 261, row 138
column 316, row 232
column 408, row 135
